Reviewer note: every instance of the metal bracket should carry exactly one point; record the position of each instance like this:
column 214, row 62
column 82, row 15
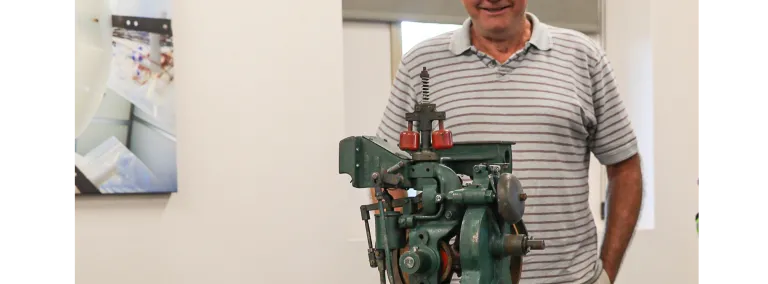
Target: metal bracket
column 142, row 24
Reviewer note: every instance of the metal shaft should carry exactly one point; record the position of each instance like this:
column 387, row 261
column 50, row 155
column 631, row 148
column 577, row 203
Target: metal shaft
column 426, row 130
column 386, row 242
column 368, row 234
column 536, row 244
column 388, row 255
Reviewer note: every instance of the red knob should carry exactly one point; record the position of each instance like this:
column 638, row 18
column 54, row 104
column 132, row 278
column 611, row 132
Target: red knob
column 442, row 139
column 409, row 139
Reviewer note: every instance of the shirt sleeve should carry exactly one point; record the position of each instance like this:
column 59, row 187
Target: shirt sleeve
column 613, row 138
column 401, row 101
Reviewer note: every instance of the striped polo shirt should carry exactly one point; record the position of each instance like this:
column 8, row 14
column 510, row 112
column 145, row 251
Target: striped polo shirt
column 557, row 99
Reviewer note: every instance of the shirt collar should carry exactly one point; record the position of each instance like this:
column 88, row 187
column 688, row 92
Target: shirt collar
column 540, row 37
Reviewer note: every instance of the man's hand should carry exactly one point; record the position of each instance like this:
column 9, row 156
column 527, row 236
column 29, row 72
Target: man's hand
column 396, row 194
column 625, row 195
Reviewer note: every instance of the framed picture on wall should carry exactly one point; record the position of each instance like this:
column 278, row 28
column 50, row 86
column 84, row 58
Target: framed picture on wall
column 129, row 145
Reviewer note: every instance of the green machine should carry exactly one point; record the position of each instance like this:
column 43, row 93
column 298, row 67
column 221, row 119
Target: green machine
column 472, row 230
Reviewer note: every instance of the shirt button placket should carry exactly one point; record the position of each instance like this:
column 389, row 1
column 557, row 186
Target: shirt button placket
column 502, row 69
column 496, row 68
column 509, row 65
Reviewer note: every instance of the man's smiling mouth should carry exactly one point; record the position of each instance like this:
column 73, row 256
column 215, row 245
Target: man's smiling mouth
column 495, row 10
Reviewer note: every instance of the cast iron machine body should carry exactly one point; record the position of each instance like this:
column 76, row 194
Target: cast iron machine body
column 413, row 234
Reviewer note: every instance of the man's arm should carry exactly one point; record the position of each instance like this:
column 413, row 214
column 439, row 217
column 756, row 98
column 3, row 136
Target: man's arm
column 625, row 195
column 613, row 141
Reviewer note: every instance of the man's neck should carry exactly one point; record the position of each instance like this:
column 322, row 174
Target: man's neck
column 501, row 46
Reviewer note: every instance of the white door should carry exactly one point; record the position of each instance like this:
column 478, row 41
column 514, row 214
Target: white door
column 367, row 82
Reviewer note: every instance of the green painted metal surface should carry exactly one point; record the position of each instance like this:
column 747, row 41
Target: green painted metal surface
column 443, row 210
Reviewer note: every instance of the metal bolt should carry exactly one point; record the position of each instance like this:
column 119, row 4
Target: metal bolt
column 448, row 215
column 438, row 198
column 535, row 244
column 523, row 196
column 409, row 262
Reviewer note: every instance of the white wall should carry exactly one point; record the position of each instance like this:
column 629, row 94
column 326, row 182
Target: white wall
column 259, row 183
column 701, row 191
column 654, row 47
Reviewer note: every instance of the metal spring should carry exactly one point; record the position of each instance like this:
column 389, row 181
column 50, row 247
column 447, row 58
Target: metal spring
column 425, row 85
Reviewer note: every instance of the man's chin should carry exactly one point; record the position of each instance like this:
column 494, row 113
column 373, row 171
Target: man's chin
column 495, row 28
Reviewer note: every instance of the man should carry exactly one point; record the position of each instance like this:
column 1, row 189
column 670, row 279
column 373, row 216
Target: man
column 507, row 76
